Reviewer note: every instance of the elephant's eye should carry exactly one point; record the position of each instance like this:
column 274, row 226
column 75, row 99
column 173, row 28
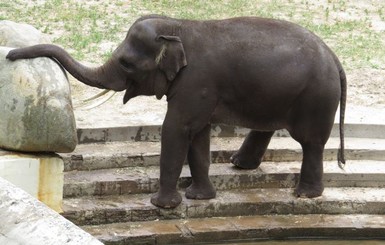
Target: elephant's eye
column 127, row 66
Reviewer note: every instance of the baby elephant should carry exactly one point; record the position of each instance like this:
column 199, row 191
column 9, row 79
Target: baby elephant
column 258, row 73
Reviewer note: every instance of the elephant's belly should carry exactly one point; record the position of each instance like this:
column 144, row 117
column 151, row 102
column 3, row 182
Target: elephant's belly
column 249, row 119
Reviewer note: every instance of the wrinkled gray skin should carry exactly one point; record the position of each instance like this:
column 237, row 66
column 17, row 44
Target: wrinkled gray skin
column 257, row 73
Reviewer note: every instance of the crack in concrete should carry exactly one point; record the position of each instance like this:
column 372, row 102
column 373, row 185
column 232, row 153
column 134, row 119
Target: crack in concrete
column 185, row 231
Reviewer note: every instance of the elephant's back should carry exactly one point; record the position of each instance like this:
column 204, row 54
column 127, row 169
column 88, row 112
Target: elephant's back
column 255, row 29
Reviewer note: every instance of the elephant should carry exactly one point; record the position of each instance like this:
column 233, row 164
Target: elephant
column 258, row 73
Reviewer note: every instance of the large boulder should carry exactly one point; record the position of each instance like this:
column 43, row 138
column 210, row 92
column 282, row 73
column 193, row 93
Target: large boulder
column 35, row 105
column 20, row 35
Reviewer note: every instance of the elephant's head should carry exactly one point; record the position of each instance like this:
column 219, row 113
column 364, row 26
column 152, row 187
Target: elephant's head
column 145, row 63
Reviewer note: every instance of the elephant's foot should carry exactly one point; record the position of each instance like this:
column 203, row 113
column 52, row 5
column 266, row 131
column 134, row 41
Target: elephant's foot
column 307, row 190
column 196, row 192
column 166, row 200
column 245, row 161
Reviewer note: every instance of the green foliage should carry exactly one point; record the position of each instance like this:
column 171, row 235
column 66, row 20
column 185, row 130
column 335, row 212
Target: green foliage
column 83, row 26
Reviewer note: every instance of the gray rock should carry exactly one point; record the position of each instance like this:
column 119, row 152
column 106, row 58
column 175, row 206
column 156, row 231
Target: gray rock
column 20, row 35
column 35, row 106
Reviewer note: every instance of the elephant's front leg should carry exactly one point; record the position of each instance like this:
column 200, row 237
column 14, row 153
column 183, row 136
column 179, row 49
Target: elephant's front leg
column 199, row 162
column 174, row 146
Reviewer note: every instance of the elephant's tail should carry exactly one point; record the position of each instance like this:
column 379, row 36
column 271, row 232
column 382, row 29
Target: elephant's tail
column 341, row 150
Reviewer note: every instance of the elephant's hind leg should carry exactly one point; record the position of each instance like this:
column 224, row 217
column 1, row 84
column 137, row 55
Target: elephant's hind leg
column 250, row 155
column 310, row 183
column 311, row 128
column 199, row 162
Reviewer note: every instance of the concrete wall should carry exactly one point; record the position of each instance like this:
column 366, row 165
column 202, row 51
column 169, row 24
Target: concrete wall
column 40, row 175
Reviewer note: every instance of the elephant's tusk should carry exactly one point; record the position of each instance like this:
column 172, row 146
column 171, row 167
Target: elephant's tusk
column 105, row 91
column 104, row 94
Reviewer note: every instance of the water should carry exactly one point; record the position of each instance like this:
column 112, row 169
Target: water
column 312, row 242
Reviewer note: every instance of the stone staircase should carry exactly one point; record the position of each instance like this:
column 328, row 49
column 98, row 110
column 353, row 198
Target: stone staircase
column 113, row 172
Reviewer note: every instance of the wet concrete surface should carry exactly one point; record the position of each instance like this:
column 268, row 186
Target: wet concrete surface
column 293, row 228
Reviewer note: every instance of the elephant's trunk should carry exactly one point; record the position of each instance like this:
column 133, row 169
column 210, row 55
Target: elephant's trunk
column 95, row 77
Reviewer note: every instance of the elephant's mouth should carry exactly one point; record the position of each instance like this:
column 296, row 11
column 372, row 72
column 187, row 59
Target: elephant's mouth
column 119, row 86
column 130, row 92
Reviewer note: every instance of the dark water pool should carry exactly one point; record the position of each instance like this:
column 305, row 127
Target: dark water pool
column 312, row 242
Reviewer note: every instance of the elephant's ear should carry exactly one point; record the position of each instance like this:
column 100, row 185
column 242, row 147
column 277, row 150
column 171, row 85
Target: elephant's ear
column 171, row 57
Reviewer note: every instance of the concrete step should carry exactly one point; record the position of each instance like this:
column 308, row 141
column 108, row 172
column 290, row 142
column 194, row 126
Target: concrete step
column 224, row 229
column 230, row 203
column 119, row 155
column 130, row 154
column 134, row 180
column 153, row 132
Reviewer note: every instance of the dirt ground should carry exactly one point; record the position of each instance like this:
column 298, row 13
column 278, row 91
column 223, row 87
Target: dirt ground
column 366, row 87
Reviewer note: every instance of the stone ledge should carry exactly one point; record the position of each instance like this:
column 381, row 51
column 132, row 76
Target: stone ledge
column 153, row 133
column 96, row 210
column 25, row 220
column 131, row 154
column 251, row 228
column 137, row 180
